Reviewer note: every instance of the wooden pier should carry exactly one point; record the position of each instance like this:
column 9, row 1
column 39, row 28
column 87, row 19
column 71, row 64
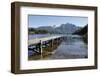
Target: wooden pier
column 38, row 40
column 40, row 43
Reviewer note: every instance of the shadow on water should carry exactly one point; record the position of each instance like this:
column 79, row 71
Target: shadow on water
column 85, row 39
column 68, row 48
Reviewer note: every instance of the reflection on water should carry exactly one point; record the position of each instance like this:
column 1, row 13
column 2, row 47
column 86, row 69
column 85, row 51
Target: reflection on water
column 71, row 47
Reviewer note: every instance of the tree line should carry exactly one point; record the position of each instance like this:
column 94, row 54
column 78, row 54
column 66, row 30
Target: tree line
column 35, row 31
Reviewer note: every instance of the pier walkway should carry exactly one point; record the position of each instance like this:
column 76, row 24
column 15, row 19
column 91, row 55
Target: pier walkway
column 38, row 40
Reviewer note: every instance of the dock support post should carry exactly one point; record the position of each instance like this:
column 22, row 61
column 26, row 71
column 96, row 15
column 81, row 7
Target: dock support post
column 41, row 51
column 57, row 41
column 52, row 43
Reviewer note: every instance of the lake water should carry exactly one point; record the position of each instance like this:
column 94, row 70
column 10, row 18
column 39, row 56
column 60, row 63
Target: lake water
column 72, row 47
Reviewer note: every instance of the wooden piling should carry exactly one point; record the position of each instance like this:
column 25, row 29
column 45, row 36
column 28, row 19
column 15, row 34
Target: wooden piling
column 41, row 51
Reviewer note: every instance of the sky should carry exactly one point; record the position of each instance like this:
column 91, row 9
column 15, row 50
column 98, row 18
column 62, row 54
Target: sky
column 44, row 20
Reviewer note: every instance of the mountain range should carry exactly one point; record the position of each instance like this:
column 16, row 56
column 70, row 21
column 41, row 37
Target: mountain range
column 67, row 28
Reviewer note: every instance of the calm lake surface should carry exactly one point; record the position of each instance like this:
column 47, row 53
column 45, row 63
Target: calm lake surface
column 72, row 46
